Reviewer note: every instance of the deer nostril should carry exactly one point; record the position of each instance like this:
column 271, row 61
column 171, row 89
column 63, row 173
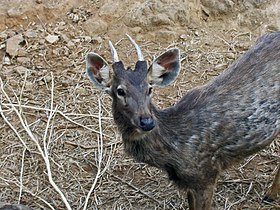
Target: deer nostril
column 147, row 123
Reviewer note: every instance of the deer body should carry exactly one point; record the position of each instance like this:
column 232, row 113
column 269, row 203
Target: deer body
column 210, row 128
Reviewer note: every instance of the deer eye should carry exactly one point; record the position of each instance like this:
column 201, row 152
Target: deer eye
column 120, row 92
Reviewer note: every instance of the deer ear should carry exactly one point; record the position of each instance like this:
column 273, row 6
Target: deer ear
column 165, row 68
column 98, row 71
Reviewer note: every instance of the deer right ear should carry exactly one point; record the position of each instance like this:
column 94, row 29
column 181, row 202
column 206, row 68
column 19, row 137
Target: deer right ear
column 98, row 71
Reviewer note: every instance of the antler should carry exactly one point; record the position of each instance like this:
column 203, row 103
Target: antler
column 139, row 53
column 114, row 52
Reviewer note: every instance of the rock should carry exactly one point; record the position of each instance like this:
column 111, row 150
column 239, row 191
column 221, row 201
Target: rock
column 23, row 59
column 136, row 30
column 7, row 61
column 21, row 70
column 183, row 36
column 42, row 41
column 166, row 34
column 87, row 38
column 70, row 44
column 15, row 12
column 13, row 44
column 155, row 13
column 64, row 37
column 218, row 6
column 30, row 34
column 95, row 26
column 41, row 83
column 22, row 52
column 11, row 33
column 52, row 38
column 110, row 10
column 160, row 19
column 76, row 40
column 3, row 36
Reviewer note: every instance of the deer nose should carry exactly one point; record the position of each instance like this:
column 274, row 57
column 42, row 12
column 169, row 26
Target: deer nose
column 147, row 123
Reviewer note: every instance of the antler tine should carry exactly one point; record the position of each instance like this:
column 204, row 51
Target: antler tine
column 114, row 52
column 139, row 53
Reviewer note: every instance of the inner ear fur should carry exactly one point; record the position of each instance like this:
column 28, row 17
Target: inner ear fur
column 98, row 71
column 165, row 68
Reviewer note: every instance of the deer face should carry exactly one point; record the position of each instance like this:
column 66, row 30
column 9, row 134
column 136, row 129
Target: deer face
column 131, row 95
column 131, row 89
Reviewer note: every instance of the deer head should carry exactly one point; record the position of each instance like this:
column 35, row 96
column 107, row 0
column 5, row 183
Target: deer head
column 131, row 89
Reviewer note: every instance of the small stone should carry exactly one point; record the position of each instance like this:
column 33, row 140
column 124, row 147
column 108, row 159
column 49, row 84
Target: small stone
column 76, row 18
column 136, row 30
column 7, row 72
column 21, row 70
column 70, row 44
column 62, row 23
column 3, row 36
column 13, row 44
column 11, row 33
column 7, row 61
column 64, row 37
column 15, row 12
column 2, row 46
column 30, row 34
column 56, row 51
column 41, row 83
column 95, row 26
column 42, row 41
column 23, row 59
column 161, row 19
column 184, row 36
column 76, row 40
column 13, row 82
column 22, row 52
column 52, row 38
column 87, row 38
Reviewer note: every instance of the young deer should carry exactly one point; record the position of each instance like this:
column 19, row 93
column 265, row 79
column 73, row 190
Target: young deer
column 211, row 128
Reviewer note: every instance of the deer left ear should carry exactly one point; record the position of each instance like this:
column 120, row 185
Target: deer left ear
column 165, row 68
column 98, row 71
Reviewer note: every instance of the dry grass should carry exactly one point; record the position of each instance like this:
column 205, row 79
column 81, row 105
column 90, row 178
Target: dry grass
column 59, row 148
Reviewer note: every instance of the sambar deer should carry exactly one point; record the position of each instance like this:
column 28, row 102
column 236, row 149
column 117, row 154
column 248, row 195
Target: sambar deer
column 211, row 128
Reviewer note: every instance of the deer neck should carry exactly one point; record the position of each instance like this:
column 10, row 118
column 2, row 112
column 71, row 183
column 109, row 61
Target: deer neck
column 141, row 145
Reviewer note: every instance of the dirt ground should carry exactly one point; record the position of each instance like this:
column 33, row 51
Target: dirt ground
column 58, row 143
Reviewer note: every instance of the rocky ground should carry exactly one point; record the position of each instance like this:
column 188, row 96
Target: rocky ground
column 59, row 146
